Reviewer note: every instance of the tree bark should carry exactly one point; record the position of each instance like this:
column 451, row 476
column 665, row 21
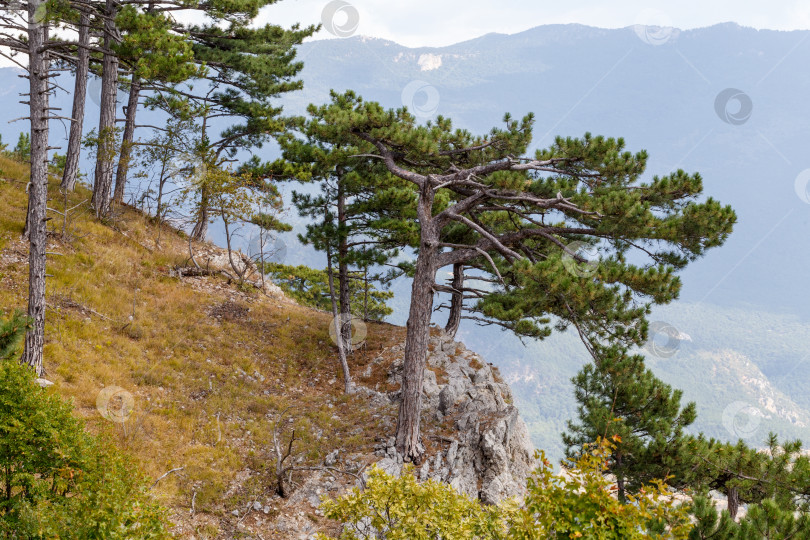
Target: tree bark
column 126, row 139
column 105, row 157
column 71, row 172
column 620, row 481
column 201, row 226
column 733, row 502
column 338, row 321
column 456, row 302
column 38, row 189
column 418, row 332
column 343, row 271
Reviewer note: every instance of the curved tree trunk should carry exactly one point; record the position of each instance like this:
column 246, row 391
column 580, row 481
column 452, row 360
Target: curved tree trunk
column 105, row 157
column 38, row 189
column 126, row 140
column 418, row 333
column 71, row 172
column 456, row 302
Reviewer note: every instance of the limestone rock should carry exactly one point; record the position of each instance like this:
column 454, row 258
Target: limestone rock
column 490, row 454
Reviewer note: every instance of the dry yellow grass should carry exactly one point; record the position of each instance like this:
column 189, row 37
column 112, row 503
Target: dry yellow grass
column 209, row 366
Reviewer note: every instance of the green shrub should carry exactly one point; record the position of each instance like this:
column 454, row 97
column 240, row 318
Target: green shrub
column 405, row 509
column 58, row 481
column 581, row 503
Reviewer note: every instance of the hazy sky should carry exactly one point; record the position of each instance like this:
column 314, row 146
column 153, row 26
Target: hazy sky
column 442, row 22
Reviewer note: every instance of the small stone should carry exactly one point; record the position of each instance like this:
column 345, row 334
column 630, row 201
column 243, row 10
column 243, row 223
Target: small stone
column 331, row 458
column 257, row 506
column 266, row 509
column 447, row 399
column 44, row 383
column 235, row 513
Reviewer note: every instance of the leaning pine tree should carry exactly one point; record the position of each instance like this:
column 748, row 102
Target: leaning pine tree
column 580, row 189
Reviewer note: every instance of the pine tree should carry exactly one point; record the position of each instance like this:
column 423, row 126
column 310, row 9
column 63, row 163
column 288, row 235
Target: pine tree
column 585, row 189
column 620, row 399
column 779, row 472
column 153, row 54
column 246, row 69
column 27, row 31
column 12, row 332
column 363, row 214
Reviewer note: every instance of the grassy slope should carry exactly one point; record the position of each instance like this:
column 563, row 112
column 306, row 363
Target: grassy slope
column 209, row 366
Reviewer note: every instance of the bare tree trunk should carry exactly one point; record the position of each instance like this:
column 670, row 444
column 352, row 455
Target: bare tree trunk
column 456, row 302
column 71, row 172
column 418, row 333
column 38, row 190
column 126, row 139
column 105, row 157
column 343, row 270
column 344, row 364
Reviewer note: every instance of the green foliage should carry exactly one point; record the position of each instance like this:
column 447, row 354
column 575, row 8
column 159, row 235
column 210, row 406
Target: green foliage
column 363, row 215
column 22, row 151
column 12, row 332
column 581, row 503
column 587, row 190
column 765, row 520
column 58, row 162
column 401, row 508
column 150, row 46
column 310, row 287
column 780, row 472
column 57, row 481
column 621, row 399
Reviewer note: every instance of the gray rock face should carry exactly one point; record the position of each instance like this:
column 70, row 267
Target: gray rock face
column 489, row 454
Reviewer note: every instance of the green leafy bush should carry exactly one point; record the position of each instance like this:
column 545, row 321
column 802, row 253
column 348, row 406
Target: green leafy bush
column 580, row 503
column 58, row 481
column 404, row 509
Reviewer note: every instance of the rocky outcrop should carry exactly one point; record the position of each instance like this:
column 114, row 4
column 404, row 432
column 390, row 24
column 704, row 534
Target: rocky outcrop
column 474, row 437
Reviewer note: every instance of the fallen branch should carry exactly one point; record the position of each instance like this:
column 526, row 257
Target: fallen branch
column 165, row 475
